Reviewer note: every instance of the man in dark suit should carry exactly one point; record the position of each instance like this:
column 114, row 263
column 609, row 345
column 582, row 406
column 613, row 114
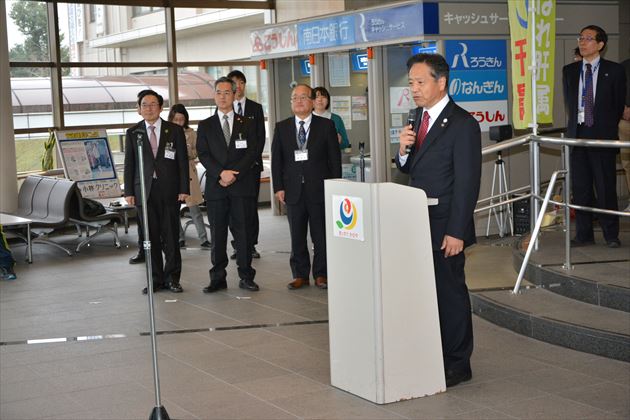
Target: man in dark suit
column 166, row 181
column 443, row 158
column 594, row 97
column 252, row 111
column 304, row 153
column 226, row 146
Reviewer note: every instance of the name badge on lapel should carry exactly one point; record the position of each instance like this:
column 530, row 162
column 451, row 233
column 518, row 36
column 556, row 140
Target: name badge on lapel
column 301, row 155
column 169, row 152
column 241, row 143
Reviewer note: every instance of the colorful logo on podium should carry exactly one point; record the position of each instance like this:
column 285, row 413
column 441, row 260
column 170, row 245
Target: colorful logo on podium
column 347, row 214
column 348, row 217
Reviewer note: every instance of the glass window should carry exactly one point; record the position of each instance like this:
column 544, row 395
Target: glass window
column 27, row 30
column 112, row 34
column 214, row 34
column 143, row 10
column 32, row 99
column 108, row 98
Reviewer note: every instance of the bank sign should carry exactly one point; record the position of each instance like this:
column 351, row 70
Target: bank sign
column 478, row 78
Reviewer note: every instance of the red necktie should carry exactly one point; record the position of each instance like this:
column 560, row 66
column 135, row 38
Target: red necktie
column 424, row 127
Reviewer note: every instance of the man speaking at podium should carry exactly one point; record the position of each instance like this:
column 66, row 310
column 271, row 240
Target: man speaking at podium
column 441, row 152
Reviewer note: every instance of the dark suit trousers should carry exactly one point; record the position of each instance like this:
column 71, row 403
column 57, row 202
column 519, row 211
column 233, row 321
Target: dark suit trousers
column 163, row 213
column 253, row 224
column 140, row 228
column 594, row 167
column 233, row 212
column 302, row 216
column 454, row 309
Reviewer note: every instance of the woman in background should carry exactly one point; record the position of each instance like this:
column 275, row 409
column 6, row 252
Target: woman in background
column 321, row 106
column 179, row 116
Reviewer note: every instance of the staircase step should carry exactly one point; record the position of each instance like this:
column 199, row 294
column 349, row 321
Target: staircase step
column 556, row 319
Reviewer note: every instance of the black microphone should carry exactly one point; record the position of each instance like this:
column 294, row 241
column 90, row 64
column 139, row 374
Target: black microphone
column 411, row 120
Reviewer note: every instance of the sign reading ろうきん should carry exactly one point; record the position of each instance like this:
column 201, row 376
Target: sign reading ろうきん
column 347, row 217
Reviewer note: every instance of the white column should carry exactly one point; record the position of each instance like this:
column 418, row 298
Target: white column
column 8, row 174
column 379, row 141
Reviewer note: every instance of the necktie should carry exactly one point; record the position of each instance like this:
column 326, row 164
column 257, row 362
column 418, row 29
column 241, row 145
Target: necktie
column 302, row 135
column 424, row 127
column 153, row 140
column 226, row 130
column 588, row 97
column 240, row 109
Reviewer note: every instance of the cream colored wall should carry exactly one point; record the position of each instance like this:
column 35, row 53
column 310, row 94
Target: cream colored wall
column 287, row 10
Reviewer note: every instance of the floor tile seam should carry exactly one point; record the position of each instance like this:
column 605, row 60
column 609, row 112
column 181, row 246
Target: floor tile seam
column 595, row 379
column 296, row 340
column 228, row 384
column 163, row 399
column 500, row 408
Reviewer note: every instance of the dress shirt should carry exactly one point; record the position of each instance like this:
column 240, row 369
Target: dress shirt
column 230, row 119
column 158, row 129
column 595, row 69
column 242, row 102
column 307, row 126
column 434, row 113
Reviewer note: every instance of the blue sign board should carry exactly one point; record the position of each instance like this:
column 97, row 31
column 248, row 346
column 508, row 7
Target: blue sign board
column 383, row 24
column 359, row 62
column 476, row 55
column 478, row 85
column 305, row 67
column 420, row 49
column 325, row 33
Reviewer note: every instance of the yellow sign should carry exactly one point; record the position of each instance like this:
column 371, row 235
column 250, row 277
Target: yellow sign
column 521, row 48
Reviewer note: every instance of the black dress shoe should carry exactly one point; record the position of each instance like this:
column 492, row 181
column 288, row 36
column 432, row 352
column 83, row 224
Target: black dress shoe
column 175, row 287
column 576, row 243
column 454, row 377
column 233, row 256
column 248, row 285
column 156, row 288
column 182, row 244
column 212, row 288
column 206, row 244
column 137, row 259
column 255, row 253
column 615, row 243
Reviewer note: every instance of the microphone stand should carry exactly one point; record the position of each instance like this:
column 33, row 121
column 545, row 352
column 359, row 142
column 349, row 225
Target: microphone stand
column 158, row 412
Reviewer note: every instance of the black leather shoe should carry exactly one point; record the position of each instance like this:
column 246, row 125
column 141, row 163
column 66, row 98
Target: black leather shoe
column 175, row 287
column 615, row 243
column 156, row 288
column 137, row 259
column 233, row 256
column 255, row 253
column 454, row 377
column 206, row 244
column 182, row 244
column 248, row 285
column 576, row 243
column 212, row 288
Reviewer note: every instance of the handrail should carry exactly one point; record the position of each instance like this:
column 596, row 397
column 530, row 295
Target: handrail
column 534, row 236
column 506, row 144
column 580, row 142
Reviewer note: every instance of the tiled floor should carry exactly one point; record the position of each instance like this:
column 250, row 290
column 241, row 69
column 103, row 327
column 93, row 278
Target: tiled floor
column 265, row 373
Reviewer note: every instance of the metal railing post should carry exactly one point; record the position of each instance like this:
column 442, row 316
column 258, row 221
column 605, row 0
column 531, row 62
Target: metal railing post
column 534, row 237
column 567, row 211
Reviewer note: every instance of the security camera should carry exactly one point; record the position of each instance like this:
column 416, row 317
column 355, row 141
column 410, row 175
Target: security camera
column 293, row 84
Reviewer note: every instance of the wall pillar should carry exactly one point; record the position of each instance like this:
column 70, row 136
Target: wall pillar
column 8, row 174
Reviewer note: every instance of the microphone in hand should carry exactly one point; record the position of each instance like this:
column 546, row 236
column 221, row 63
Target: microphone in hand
column 411, row 120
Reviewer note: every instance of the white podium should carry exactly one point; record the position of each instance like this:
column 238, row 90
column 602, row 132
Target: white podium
column 384, row 325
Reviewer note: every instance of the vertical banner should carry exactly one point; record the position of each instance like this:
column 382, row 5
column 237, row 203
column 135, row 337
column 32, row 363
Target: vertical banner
column 545, row 58
column 520, row 52
column 521, row 47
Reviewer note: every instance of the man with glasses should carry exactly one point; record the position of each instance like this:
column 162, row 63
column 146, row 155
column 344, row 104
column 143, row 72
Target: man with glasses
column 304, row 153
column 594, row 96
column 227, row 148
column 166, row 182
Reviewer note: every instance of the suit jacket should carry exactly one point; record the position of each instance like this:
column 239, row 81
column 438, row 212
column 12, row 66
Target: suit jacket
column 254, row 112
column 609, row 97
column 215, row 155
column 448, row 167
column 173, row 173
column 324, row 160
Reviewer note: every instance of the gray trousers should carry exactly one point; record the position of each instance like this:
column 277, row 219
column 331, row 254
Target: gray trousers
column 197, row 218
